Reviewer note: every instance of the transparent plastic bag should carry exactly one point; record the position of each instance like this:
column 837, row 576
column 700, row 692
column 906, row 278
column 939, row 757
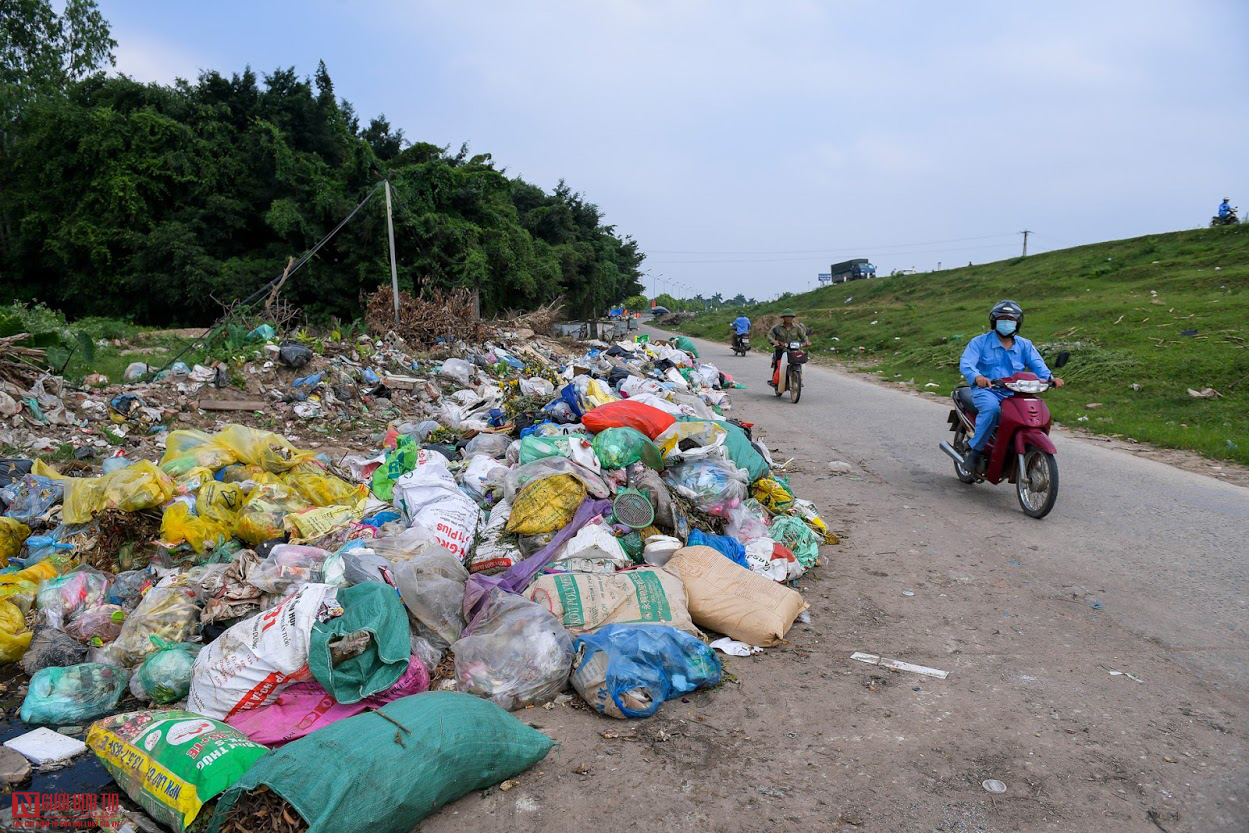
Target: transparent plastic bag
column 617, row 448
column 31, row 496
column 165, row 675
column 138, row 486
column 631, row 670
column 494, row 445
column 432, row 589
column 518, row 655
column 263, row 513
column 128, row 588
column 168, row 612
column 794, row 533
column 288, row 565
column 747, row 521
column 50, row 648
column 97, row 626
column 521, row 476
column 715, row 486
column 181, row 525
column 320, row 488
column 70, row 695
column 184, row 450
column 60, row 598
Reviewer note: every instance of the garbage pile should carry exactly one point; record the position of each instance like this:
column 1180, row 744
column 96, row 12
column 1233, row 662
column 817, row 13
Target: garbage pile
column 247, row 620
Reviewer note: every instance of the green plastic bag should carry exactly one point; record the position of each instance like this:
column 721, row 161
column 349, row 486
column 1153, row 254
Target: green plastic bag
column 794, row 533
column 385, row 770
column 743, row 453
column 620, row 447
column 685, row 344
column 399, row 461
column 172, row 762
column 536, row 448
column 372, row 611
column 77, row 692
column 165, row 676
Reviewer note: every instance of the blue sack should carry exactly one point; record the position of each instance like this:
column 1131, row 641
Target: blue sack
column 730, row 548
column 630, row 670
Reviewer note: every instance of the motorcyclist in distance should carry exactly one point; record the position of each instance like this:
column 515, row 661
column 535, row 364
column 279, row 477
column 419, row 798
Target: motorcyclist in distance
column 781, row 335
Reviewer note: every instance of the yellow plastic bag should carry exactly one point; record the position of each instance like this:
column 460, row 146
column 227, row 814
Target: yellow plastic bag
column 14, row 638
column 314, row 523
column 546, row 505
column 185, row 450
column 264, row 513
column 178, row 524
column 707, row 434
column 138, row 486
column 191, row 481
column 12, row 534
column 599, row 394
column 320, row 488
column 773, row 494
column 220, row 501
column 20, row 587
column 272, row 452
column 240, row 473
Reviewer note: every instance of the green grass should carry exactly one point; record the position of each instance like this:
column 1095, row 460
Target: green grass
column 1095, row 301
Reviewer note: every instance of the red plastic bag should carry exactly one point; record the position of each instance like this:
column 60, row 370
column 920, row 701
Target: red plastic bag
column 649, row 420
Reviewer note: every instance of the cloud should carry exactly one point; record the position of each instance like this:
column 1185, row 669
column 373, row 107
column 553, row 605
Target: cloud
column 149, row 58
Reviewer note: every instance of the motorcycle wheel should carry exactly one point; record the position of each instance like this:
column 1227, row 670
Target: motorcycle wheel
column 963, row 447
column 1036, row 485
column 795, row 385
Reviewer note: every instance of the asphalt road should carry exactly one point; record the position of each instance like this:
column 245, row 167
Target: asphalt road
column 1164, row 552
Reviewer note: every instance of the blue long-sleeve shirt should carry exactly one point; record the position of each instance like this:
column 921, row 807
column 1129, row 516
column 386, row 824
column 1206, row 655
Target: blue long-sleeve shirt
column 741, row 325
column 1224, row 209
column 985, row 355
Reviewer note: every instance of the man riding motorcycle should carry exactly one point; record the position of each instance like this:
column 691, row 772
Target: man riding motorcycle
column 999, row 353
column 780, row 337
column 740, row 327
column 1225, row 208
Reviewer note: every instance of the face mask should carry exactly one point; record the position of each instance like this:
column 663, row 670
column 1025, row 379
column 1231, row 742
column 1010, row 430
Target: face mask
column 1006, row 327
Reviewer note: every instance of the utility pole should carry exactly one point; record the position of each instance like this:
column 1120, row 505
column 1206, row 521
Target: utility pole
column 1025, row 234
column 394, row 270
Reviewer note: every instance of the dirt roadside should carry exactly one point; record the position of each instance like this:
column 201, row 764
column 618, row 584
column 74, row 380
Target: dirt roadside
column 803, row 739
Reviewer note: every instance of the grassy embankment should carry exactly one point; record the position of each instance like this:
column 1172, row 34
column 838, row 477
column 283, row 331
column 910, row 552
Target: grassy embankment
column 1121, row 308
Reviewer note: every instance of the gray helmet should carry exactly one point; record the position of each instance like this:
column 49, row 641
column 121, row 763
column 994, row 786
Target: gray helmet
column 1006, row 309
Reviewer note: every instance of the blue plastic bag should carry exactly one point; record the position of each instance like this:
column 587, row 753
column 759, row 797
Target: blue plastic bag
column 72, row 694
column 731, row 548
column 630, row 670
column 31, row 496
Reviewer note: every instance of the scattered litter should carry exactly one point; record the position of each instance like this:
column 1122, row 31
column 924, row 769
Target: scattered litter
column 1204, row 393
column 734, row 648
column 840, row 467
column 899, row 665
column 993, row 785
column 908, row 592
column 1126, row 674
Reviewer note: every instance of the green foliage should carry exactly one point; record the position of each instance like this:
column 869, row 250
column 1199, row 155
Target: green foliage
column 1120, row 308
column 159, row 204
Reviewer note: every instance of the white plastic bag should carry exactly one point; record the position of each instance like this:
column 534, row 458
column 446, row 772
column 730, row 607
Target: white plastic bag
column 457, row 369
column 536, row 386
column 492, row 554
column 253, row 661
column 288, row 565
column 484, row 475
column 429, row 497
column 592, row 550
column 432, row 589
column 659, row 549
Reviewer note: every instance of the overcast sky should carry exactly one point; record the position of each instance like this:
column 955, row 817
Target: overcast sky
column 747, row 145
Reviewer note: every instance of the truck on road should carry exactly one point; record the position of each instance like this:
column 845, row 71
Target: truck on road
column 852, row 270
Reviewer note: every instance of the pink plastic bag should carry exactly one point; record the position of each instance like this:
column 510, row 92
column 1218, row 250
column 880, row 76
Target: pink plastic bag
column 306, row 707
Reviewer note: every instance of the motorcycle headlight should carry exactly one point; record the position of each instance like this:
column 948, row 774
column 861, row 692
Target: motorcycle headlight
column 1028, row 386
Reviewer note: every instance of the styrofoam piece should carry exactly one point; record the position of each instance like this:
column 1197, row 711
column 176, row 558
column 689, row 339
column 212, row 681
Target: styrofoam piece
column 44, row 746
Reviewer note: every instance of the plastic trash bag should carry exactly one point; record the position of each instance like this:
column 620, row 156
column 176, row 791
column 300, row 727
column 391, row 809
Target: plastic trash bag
column 730, row 548
column 220, row 502
column 14, row 638
column 288, row 565
column 546, row 505
column 573, row 447
column 181, row 525
column 147, row 753
column 432, row 589
column 264, row 512
column 272, row 452
column 494, row 445
column 484, row 476
column 13, row 533
column 794, row 533
column 594, row 549
column 128, row 588
column 773, row 493
column 457, row 370
column 69, row 695
column 521, row 476
column 20, row 587
column 617, row 448
column 62, row 597
column 747, row 521
column 715, row 486
column 168, row 611
column 647, row 419
column 405, row 457
column 631, row 670
column 165, row 676
column 52, row 648
column 31, row 496
column 517, row 655
column 138, row 486
column 97, row 626
column 320, row 488
column 366, row 649
column 690, row 439
column 187, row 449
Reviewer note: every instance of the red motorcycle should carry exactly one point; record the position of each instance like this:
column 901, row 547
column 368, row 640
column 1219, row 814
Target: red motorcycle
column 1020, row 451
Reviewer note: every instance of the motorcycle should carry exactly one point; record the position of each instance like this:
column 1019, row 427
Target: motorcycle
column 791, row 380
column 741, row 343
column 1230, row 219
column 1020, row 451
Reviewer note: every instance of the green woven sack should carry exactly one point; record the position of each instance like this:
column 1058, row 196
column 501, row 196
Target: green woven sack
column 384, row 774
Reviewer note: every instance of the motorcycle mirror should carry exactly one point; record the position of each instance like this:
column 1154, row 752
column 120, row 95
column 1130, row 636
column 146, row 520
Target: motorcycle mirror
column 1062, row 359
